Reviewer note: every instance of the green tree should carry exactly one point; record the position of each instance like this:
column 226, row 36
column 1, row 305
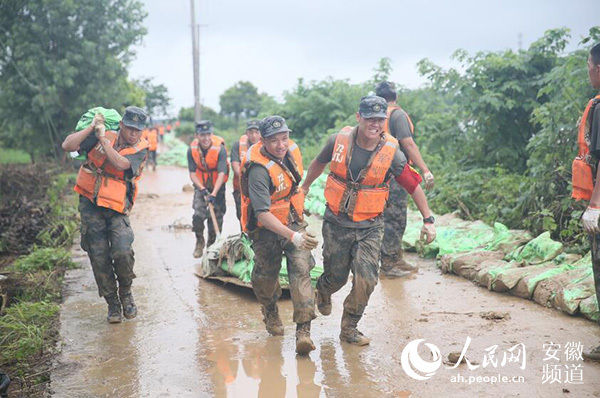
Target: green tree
column 383, row 70
column 241, row 100
column 59, row 58
column 156, row 97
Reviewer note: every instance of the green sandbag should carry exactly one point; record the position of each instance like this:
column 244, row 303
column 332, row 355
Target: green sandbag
column 537, row 251
column 176, row 155
column 506, row 240
column 242, row 269
column 111, row 118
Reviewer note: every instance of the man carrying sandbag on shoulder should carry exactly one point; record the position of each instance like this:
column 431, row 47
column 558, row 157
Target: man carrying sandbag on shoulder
column 107, row 188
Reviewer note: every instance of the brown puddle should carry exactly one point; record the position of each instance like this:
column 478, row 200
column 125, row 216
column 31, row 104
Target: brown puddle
column 194, row 337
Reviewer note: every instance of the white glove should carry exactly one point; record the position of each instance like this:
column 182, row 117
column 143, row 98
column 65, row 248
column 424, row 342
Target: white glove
column 590, row 220
column 428, row 231
column 305, row 241
column 428, row 177
column 97, row 120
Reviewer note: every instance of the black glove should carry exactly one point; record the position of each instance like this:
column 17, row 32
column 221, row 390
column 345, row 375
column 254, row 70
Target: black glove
column 211, row 199
column 204, row 192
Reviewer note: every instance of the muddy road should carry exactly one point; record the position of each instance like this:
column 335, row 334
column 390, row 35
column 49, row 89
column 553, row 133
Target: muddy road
column 194, row 337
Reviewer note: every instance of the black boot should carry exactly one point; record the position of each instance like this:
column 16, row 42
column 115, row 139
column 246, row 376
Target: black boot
column 304, row 344
column 114, row 309
column 129, row 307
column 350, row 333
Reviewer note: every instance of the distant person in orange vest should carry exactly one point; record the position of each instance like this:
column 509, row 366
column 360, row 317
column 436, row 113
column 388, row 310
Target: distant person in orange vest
column 585, row 167
column 169, row 127
column 161, row 132
column 399, row 126
column 209, row 171
column 107, row 188
column 151, row 135
column 273, row 217
column 238, row 151
column 362, row 161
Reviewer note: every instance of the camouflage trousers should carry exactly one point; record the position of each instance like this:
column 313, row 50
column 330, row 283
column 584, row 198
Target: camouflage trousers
column 595, row 248
column 269, row 249
column 394, row 218
column 237, row 197
column 106, row 236
column 350, row 249
column 201, row 214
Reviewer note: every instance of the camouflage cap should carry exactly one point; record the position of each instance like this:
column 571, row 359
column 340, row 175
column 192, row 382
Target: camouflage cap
column 372, row 106
column 135, row 117
column 253, row 124
column 273, row 125
column 204, row 127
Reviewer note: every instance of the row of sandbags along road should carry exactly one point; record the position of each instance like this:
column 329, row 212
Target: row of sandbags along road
column 502, row 260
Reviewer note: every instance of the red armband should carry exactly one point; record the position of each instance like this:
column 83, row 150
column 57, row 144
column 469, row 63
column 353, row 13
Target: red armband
column 409, row 179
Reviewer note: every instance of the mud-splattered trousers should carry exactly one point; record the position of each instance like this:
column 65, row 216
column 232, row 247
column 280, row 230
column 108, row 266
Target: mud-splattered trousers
column 269, row 249
column 595, row 245
column 350, row 249
column 201, row 214
column 394, row 218
column 106, row 236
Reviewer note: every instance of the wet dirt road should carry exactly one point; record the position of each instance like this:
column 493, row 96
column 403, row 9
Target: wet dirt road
column 194, row 337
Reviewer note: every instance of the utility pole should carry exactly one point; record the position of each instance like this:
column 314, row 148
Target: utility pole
column 196, row 56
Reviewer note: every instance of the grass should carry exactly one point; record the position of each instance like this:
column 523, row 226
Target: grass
column 46, row 259
column 29, row 326
column 8, row 155
column 25, row 329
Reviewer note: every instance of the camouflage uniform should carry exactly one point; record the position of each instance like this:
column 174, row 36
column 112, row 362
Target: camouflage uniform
column 106, row 236
column 395, row 222
column 201, row 213
column 350, row 249
column 268, row 251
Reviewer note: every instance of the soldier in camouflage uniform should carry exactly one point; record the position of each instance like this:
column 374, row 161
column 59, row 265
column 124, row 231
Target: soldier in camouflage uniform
column 589, row 153
column 399, row 126
column 106, row 233
column 362, row 160
column 272, row 215
column 207, row 164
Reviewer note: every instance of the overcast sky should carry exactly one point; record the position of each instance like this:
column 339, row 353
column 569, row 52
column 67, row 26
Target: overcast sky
column 272, row 43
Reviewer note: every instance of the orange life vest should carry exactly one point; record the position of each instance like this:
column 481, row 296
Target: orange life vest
column 391, row 108
column 102, row 183
column 286, row 195
column 206, row 165
column 366, row 197
column 243, row 146
column 582, row 176
column 161, row 130
column 152, row 137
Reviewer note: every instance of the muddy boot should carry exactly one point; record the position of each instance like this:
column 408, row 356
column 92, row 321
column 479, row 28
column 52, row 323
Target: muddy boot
column 350, row 333
column 114, row 309
column 199, row 247
column 390, row 268
column 403, row 265
column 129, row 307
column 593, row 354
column 323, row 303
column 304, row 344
column 272, row 321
